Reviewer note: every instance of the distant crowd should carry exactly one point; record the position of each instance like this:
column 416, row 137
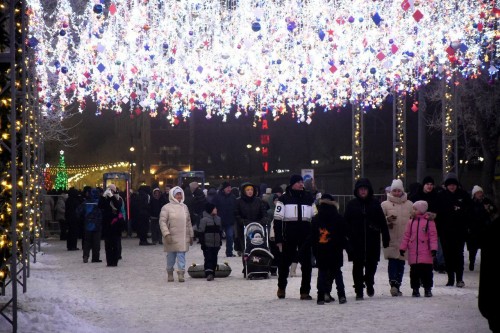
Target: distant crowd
column 428, row 227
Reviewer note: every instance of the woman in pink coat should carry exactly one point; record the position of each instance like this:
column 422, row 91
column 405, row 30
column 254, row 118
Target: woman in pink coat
column 421, row 241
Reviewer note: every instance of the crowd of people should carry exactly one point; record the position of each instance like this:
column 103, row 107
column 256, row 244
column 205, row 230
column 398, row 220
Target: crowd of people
column 428, row 228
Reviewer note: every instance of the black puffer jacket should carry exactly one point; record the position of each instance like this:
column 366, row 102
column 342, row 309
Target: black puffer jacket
column 250, row 209
column 365, row 222
column 328, row 236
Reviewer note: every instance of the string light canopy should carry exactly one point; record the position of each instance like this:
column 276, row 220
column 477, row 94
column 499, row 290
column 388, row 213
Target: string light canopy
column 264, row 58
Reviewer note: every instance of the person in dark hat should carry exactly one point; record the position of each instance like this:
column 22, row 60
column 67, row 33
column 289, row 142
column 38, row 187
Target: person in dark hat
column 452, row 220
column 210, row 233
column 429, row 194
column 225, row 201
column 365, row 223
column 292, row 230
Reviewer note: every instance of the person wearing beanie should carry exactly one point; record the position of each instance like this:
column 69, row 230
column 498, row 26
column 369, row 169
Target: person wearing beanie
column 249, row 208
column 397, row 210
column 195, row 201
column 225, row 202
column 177, row 231
column 421, row 242
column 296, row 179
column 210, row 233
column 329, row 239
column 482, row 210
column 452, row 223
column 429, row 193
column 366, row 224
column 293, row 213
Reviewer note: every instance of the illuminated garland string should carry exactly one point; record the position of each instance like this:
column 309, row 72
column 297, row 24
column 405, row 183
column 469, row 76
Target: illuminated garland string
column 266, row 58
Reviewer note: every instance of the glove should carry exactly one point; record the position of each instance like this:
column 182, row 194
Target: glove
column 402, row 253
column 107, row 193
column 168, row 239
column 280, row 247
column 392, row 218
column 191, row 241
column 434, row 253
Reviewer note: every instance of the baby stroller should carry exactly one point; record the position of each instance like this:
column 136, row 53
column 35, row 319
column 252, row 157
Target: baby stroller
column 257, row 257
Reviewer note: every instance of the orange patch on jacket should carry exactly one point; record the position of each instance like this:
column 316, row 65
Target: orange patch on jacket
column 323, row 236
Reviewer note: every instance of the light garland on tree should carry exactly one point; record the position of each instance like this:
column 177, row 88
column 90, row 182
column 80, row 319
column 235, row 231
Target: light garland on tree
column 266, row 58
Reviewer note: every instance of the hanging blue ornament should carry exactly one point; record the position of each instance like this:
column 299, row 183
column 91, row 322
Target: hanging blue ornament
column 303, row 80
column 321, row 34
column 256, row 26
column 32, row 42
column 291, row 26
column 62, row 32
column 165, row 46
column 373, row 70
column 57, row 64
column 64, row 70
column 98, row 9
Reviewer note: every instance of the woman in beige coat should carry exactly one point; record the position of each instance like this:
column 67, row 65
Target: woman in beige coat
column 177, row 231
column 397, row 209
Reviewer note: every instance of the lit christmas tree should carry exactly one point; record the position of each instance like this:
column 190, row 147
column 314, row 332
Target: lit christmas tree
column 62, row 174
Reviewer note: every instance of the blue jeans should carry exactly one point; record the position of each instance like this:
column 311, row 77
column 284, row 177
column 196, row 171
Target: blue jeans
column 396, row 269
column 229, row 230
column 181, row 261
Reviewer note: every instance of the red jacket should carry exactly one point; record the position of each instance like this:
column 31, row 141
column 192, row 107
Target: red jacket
column 419, row 239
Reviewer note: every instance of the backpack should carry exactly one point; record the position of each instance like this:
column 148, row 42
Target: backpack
column 93, row 216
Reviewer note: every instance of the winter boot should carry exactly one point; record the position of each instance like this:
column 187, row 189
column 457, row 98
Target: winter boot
column 329, row 298
column 428, row 292
column 281, row 293
column 451, row 279
column 370, row 291
column 394, row 288
column 359, row 292
column 321, row 299
column 293, row 269
column 306, row 297
column 170, row 276
column 416, row 292
column 180, row 275
column 342, row 298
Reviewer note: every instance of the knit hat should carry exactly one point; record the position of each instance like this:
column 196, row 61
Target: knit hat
column 397, row 184
column 327, row 196
column 156, row 189
column 295, row 179
column 451, row 178
column 277, row 189
column 193, row 186
column 209, row 207
column 476, row 189
column 421, row 206
column 176, row 190
column 427, row 180
column 224, row 185
column 112, row 187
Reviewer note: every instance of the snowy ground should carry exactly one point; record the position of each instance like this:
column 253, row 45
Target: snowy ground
column 65, row 295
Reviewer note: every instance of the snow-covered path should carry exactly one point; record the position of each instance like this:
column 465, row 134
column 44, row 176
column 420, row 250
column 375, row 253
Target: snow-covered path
column 65, row 295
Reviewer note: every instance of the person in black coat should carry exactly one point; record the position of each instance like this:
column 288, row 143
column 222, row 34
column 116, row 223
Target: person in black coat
column 142, row 214
column 489, row 293
column 155, row 205
column 328, row 243
column 73, row 221
column 451, row 222
column 428, row 193
column 365, row 222
column 292, row 231
column 248, row 208
column 112, row 224
column 225, row 201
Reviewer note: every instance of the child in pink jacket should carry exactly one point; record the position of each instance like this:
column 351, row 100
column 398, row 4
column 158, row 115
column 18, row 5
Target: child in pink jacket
column 421, row 241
